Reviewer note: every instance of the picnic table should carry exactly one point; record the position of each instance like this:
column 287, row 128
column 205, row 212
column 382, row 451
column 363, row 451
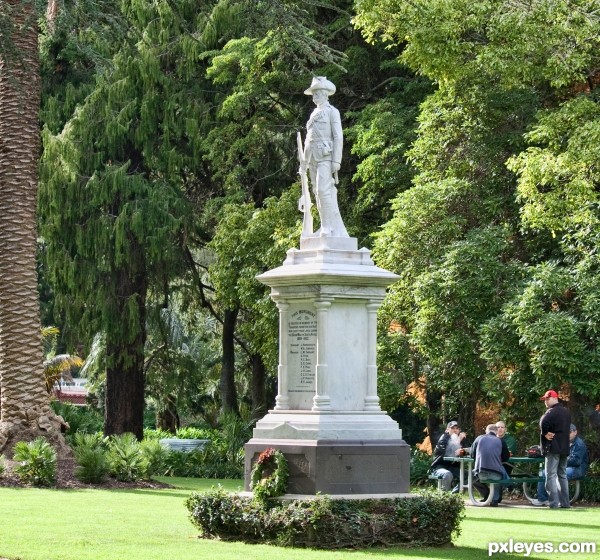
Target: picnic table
column 526, row 472
column 521, row 474
column 465, row 462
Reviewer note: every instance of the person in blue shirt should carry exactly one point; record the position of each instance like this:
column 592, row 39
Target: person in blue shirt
column 489, row 452
column 577, row 465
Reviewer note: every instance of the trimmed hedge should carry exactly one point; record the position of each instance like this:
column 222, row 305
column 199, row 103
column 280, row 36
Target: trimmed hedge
column 428, row 519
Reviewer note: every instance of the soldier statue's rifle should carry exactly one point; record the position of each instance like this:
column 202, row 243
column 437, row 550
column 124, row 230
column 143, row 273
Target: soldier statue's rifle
column 305, row 203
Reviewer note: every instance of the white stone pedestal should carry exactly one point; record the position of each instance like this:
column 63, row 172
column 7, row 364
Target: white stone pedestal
column 327, row 418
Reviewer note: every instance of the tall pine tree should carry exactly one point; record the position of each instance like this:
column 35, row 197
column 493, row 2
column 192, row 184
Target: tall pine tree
column 118, row 185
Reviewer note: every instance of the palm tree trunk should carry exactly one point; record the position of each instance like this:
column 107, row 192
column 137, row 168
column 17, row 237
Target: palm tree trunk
column 24, row 404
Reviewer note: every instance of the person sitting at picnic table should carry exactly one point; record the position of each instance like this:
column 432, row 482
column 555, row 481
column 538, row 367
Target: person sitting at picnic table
column 509, row 439
column 511, row 443
column 449, row 445
column 577, row 465
column 489, row 452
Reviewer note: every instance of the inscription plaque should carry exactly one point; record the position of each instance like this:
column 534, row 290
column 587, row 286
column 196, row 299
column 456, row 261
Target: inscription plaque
column 302, row 356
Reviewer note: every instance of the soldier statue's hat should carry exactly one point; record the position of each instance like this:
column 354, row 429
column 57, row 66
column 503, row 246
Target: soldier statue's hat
column 320, row 82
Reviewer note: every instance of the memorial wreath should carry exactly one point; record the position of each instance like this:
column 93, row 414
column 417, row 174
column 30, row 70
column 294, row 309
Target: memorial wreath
column 269, row 476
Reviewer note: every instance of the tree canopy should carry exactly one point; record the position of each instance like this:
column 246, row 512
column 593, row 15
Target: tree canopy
column 169, row 180
column 495, row 295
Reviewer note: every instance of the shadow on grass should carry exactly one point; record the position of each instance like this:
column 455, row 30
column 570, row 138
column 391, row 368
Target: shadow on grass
column 175, row 492
column 449, row 552
column 167, row 492
column 537, row 522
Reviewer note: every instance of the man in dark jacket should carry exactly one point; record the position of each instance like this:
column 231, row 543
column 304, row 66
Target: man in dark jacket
column 555, row 426
column 577, row 465
column 489, row 452
column 448, row 446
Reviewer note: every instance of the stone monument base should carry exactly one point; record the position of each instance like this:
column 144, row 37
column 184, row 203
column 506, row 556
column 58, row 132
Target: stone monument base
column 339, row 466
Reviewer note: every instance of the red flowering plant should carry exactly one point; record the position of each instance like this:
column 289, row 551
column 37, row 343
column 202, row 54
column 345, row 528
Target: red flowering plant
column 269, row 476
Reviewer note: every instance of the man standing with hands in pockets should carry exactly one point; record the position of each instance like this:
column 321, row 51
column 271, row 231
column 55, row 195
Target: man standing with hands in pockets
column 555, row 425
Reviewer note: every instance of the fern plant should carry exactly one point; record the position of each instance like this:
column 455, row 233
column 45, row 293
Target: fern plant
column 91, row 457
column 155, row 457
column 127, row 463
column 37, row 462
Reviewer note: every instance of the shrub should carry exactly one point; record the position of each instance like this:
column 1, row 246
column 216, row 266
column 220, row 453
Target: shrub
column 222, row 458
column 152, row 433
column 155, row 457
column 79, row 418
column 431, row 518
column 590, row 489
column 178, row 463
column 2, row 465
column 590, row 486
column 37, row 462
column 196, row 433
column 127, row 463
column 90, row 440
column 236, row 432
column 91, row 456
column 210, row 462
column 420, row 464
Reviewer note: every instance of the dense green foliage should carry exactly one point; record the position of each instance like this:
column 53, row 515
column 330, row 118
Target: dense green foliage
column 420, row 468
column 169, row 182
column 81, row 419
column 125, row 459
column 223, row 457
column 427, row 519
column 496, row 239
column 36, row 462
column 127, row 463
column 91, row 457
column 590, row 486
column 168, row 158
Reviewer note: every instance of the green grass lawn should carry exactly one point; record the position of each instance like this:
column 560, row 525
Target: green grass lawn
column 152, row 524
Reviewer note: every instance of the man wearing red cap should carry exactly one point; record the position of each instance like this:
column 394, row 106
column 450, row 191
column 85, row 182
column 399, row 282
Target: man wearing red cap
column 555, row 425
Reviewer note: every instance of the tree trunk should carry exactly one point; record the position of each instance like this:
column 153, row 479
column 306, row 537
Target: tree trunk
column 227, row 382
column 124, row 401
column 168, row 418
column 24, row 405
column 434, row 418
column 258, row 391
column 466, row 417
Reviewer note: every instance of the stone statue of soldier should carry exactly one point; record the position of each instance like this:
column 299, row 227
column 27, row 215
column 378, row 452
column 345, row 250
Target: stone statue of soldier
column 323, row 156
